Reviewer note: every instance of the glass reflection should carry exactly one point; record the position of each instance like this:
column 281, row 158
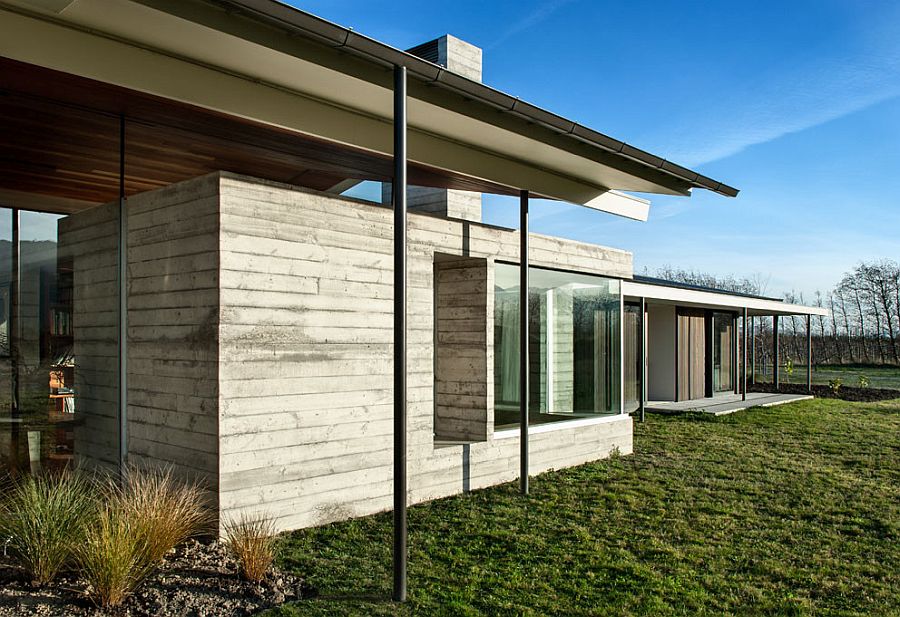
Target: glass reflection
column 574, row 344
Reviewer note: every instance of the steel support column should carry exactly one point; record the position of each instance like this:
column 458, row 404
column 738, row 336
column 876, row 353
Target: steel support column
column 122, row 263
column 753, row 350
column 734, row 355
column 643, row 357
column 15, row 337
column 523, row 342
column 809, row 353
column 744, row 356
column 776, row 377
column 399, row 204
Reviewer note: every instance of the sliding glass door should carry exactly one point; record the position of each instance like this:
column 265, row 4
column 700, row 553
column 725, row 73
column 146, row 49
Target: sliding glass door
column 723, row 350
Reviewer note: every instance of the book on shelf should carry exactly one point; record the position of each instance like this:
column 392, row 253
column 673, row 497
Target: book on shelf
column 66, row 358
column 60, row 322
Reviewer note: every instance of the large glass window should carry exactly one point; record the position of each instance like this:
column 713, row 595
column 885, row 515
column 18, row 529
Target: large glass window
column 574, row 344
column 723, row 324
column 10, row 423
column 57, row 340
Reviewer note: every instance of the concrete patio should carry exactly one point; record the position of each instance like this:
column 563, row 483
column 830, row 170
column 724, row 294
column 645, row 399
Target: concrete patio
column 725, row 404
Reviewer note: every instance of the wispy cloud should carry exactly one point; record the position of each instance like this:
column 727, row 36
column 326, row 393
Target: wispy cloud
column 539, row 14
column 790, row 98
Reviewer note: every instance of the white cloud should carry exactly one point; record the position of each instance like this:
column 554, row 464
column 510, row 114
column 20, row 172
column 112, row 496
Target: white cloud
column 800, row 94
column 530, row 20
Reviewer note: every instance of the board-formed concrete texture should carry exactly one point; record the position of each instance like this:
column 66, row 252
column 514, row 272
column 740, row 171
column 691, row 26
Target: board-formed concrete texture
column 260, row 348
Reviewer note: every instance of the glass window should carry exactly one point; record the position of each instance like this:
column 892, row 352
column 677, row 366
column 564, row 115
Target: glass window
column 722, row 352
column 60, row 308
column 632, row 342
column 10, row 423
column 574, row 344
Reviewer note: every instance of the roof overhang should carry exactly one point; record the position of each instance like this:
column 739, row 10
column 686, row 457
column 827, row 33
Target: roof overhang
column 264, row 61
column 711, row 300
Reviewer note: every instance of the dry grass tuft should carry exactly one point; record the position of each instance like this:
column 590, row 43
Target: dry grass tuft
column 146, row 514
column 43, row 518
column 115, row 555
column 251, row 539
column 167, row 511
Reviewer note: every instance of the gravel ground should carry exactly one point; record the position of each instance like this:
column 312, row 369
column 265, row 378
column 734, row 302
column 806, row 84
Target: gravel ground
column 196, row 580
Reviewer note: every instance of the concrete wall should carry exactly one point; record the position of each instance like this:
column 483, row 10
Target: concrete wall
column 260, row 346
column 89, row 238
column 173, row 314
column 172, row 329
column 305, row 344
column 660, row 352
column 465, row 59
column 464, row 362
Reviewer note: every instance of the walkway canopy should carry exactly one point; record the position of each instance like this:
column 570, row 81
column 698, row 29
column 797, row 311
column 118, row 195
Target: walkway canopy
column 692, row 296
column 684, row 346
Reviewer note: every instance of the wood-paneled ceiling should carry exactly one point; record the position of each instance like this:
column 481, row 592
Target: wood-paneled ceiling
column 60, row 139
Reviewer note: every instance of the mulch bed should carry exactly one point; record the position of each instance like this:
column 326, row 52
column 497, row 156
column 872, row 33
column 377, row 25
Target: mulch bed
column 198, row 579
column 846, row 393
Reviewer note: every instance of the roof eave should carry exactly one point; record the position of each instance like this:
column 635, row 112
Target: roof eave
column 298, row 22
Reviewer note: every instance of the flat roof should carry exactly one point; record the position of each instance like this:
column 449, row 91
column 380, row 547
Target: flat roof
column 650, row 280
column 265, row 61
column 381, row 53
column 695, row 296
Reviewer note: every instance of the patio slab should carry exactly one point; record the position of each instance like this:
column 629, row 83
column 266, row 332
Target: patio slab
column 725, row 404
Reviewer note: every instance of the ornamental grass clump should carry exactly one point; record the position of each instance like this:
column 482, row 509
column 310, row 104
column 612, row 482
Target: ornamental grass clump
column 167, row 511
column 115, row 555
column 43, row 519
column 146, row 513
column 251, row 539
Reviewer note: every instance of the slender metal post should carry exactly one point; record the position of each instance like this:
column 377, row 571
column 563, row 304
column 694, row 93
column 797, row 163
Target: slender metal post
column 523, row 342
column 809, row 353
column 753, row 350
column 399, row 199
column 776, row 381
column 14, row 341
column 735, row 385
column 643, row 356
column 122, row 262
column 744, row 356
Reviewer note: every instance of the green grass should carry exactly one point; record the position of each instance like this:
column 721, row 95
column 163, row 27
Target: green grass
column 879, row 376
column 791, row 510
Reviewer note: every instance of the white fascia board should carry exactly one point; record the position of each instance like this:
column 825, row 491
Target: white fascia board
column 153, row 52
column 709, row 299
column 615, row 202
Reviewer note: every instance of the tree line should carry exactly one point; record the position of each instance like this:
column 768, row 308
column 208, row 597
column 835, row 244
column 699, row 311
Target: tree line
column 863, row 328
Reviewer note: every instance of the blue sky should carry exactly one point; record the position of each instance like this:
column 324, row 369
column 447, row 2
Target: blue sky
column 796, row 103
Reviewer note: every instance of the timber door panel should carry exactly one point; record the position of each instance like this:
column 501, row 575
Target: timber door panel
column 691, row 358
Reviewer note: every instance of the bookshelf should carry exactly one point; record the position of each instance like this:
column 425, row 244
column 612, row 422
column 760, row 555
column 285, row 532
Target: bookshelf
column 57, row 347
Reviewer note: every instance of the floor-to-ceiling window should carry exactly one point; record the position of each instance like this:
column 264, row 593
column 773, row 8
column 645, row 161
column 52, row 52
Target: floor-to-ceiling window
column 722, row 369
column 574, row 346
column 631, row 339
column 58, row 328
column 10, row 423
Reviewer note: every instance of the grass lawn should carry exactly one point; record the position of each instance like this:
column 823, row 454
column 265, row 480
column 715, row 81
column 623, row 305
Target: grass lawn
column 879, row 376
column 791, row 510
